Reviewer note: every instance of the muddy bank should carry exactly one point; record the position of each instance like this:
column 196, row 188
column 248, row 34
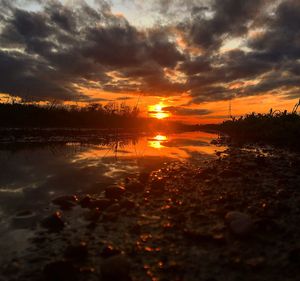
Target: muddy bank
column 234, row 218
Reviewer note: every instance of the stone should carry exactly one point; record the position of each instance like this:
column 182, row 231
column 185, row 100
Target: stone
column 78, row 252
column 115, row 268
column 53, row 222
column 24, row 219
column 135, row 186
column 114, row 192
column 109, row 251
column 113, row 208
column 127, row 204
column 85, row 202
column 101, row 204
column 240, row 224
column 93, row 215
column 60, row 271
column 65, row 202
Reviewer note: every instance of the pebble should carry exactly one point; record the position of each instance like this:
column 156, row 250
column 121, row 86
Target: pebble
column 101, row 204
column 65, row 202
column 53, row 222
column 85, row 202
column 93, row 215
column 113, row 208
column 115, row 268
column 239, row 223
column 127, row 204
column 114, row 192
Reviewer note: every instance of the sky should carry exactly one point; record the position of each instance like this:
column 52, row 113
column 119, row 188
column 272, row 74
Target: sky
column 188, row 59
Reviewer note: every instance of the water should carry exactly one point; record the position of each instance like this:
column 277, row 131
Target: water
column 31, row 176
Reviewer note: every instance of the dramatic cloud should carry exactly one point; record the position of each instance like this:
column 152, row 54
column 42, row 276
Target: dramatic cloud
column 206, row 50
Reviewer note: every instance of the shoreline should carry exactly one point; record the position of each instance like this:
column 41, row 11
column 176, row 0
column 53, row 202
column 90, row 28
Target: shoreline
column 172, row 224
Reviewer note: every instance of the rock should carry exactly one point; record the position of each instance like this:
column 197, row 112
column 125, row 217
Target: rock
column 24, row 219
column 78, row 252
column 115, row 268
column 109, row 251
column 60, row 271
column 113, row 208
column 93, row 215
column 114, row 192
column 65, row 202
column 127, row 204
column 239, row 223
column 85, row 202
column 135, row 186
column 53, row 222
column 101, row 204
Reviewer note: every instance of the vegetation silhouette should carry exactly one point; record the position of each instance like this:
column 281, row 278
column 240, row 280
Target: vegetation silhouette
column 111, row 115
column 279, row 128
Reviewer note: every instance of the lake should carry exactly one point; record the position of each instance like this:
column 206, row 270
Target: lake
column 32, row 174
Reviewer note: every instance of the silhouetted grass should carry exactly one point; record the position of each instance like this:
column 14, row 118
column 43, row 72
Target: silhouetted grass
column 111, row 115
column 278, row 128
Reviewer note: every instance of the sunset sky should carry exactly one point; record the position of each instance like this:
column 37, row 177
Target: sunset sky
column 183, row 60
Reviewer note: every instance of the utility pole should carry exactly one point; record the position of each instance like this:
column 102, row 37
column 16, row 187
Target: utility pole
column 229, row 109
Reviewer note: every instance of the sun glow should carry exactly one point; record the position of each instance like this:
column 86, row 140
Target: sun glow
column 157, row 111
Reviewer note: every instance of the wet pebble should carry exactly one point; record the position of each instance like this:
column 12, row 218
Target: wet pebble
column 101, row 204
column 113, row 208
column 127, row 204
column 24, row 219
column 65, row 202
column 53, row 222
column 93, row 215
column 85, row 201
column 114, row 192
column 115, row 268
column 240, row 224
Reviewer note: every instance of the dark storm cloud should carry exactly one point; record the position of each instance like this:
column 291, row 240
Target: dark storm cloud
column 83, row 45
column 281, row 38
column 56, row 50
column 272, row 59
column 230, row 18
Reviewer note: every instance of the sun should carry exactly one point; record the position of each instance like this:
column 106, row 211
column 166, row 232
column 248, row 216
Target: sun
column 157, row 111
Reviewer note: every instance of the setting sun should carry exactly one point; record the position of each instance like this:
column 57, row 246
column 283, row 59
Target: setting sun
column 157, row 111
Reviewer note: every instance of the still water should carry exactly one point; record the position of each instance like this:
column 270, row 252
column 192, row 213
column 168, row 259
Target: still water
column 31, row 176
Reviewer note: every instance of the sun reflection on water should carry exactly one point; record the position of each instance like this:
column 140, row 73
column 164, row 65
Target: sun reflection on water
column 157, row 141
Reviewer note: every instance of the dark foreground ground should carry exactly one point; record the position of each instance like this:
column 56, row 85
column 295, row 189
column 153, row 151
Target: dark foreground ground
column 235, row 218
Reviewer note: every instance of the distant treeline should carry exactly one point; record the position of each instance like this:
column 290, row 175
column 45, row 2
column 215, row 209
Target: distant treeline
column 111, row 115
column 280, row 128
